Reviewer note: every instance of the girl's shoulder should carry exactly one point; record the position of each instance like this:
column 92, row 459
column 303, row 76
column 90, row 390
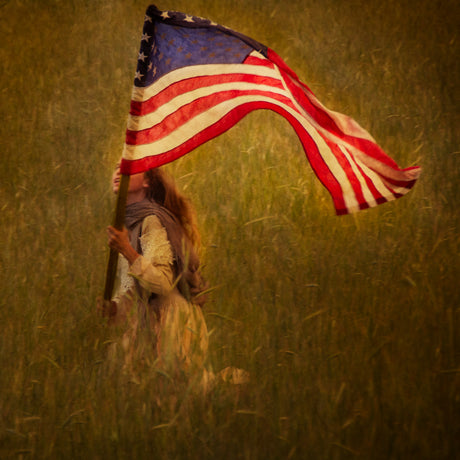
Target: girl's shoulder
column 154, row 241
column 151, row 222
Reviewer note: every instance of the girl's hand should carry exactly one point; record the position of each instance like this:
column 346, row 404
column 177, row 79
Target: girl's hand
column 107, row 308
column 119, row 241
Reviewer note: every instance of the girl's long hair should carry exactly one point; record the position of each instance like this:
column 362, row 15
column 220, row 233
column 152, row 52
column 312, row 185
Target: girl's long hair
column 164, row 191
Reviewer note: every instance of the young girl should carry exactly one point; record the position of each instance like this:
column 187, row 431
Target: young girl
column 159, row 287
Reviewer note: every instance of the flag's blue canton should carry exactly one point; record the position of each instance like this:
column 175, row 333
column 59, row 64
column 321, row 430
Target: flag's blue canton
column 179, row 42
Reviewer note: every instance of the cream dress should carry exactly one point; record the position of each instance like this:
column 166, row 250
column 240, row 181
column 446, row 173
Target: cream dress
column 175, row 327
column 171, row 332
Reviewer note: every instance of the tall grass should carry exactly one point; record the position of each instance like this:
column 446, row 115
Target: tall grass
column 348, row 326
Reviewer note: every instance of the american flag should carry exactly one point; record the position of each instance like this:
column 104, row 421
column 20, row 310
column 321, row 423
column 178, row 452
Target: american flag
column 195, row 79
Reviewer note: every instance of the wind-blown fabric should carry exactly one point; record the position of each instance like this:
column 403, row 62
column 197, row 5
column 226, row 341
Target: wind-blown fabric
column 196, row 79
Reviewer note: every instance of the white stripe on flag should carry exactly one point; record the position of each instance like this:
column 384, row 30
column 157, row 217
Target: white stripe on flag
column 142, row 94
column 138, row 123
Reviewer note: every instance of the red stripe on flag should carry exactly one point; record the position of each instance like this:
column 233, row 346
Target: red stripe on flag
column 276, row 59
column 191, row 110
column 139, row 108
column 400, row 183
column 260, row 61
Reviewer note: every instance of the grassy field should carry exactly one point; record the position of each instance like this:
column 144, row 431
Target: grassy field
column 348, row 325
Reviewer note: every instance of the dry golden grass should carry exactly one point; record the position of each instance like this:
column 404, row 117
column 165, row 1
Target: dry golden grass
column 349, row 326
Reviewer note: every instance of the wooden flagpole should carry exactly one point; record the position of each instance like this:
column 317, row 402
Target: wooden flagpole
column 118, row 222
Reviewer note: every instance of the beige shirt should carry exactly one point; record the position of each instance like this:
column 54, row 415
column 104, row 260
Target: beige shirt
column 153, row 269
